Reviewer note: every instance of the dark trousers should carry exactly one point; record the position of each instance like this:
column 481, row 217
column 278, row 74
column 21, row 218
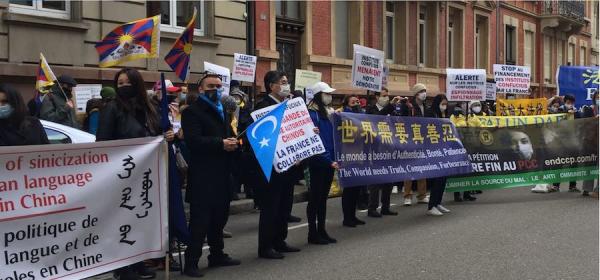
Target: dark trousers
column 438, row 186
column 386, row 192
column 316, row 209
column 275, row 200
column 207, row 220
column 350, row 197
column 572, row 185
column 363, row 196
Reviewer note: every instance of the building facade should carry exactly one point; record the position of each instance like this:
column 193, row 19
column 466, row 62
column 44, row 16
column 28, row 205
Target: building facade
column 66, row 32
column 423, row 38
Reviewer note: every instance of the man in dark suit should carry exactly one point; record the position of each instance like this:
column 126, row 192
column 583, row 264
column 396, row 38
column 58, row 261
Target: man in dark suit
column 276, row 196
column 210, row 139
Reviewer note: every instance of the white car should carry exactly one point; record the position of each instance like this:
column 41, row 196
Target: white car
column 62, row 134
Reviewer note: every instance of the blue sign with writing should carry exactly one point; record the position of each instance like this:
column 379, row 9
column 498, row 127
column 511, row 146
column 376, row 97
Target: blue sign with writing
column 579, row 81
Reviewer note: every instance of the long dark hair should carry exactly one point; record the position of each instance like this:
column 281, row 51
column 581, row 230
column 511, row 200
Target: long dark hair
column 15, row 100
column 435, row 106
column 140, row 102
column 321, row 108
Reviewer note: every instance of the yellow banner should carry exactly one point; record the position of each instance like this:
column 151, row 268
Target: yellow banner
column 494, row 121
column 521, row 107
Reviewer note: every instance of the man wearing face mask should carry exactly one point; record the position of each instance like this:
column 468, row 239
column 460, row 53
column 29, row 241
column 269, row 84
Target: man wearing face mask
column 58, row 107
column 210, row 138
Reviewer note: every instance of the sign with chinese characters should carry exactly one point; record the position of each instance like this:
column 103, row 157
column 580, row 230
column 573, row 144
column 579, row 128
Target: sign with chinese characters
column 83, row 93
column 220, row 70
column 512, row 79
column 465, row 84
column 367, row 68
column 521, row 107
column 373, row 149
column 244, row 67
column 297, row 140
column 579, row 81
column 78, row 210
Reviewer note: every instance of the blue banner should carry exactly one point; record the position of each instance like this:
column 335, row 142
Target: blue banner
column 579, row 81
column 373, row 149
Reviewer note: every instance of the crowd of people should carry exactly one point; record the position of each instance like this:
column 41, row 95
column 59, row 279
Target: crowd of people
column 217, row 161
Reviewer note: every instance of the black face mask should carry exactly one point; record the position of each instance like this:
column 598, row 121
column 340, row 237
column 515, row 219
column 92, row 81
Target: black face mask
column 126, row 92
column 356, row 109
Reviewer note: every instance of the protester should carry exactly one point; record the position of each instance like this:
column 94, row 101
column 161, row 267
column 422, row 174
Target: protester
column 92, row 115
column 439, row 109
column 569, row 108
column 321, row 166
column 209, row 136
column 17, row 128
column 476, row 109
column 275, row 197
column 58, row 106
column 350, row 196
column 591, row 186
column 35, row 103
column 384, row 107
column 418, row 109
column 130, row 115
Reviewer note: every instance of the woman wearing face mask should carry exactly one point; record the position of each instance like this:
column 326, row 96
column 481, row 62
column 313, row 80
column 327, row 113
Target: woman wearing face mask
column 554, row 105
column 475, row 108
column 17, row 128
column 321, row 167
column 130, row 115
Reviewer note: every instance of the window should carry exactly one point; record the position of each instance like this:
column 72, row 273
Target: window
column 582, row 56
column 390, row 30
column 481, row 42
column 571, row 54
column 422, row 35
column 57, row 137
column 44, row 8
column 450, row 42
column 175, row 15
column 547, row 60
column 455, row 38
column 288, row 9
column 510, row 45
column 559, row 53
column 342, row 41
column 529, row 52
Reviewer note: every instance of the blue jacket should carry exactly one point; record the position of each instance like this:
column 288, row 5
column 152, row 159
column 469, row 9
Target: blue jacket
column 326, row 133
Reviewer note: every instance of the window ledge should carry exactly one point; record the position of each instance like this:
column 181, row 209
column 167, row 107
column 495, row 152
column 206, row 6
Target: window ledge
column 3, row 4
column 197, row 39
column 11, row 18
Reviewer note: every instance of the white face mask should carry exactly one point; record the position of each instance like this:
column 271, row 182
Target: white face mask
column 285, row 90
column 597, row 102
column 476, row 109
column 326, row 98
column 383, row 101
column 422, row 96
column 443, row 108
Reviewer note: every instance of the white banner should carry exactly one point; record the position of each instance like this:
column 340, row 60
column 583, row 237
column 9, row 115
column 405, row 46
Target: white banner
column 78, row 210
column 297, row 140
column 85, row 92
column 244, row 67
column 367, row 68
column 465, row 84
column 490, row 91
column 220, row 70
column 512, row 79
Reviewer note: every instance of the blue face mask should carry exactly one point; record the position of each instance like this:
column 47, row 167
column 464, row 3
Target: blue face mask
column 214, row 95
column 6, row 111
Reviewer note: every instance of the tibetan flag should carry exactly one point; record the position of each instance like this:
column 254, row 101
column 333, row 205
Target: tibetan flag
column 179, row 56
column 130, row 41
column 45, row 77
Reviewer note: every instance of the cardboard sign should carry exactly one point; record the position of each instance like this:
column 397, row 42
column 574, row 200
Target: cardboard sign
column 367, row 68
column 465, row 84
column 490, row 91
column 305, row 79
column 244, row 67
column 512, row 79
column 223, row 71
column 85, row 92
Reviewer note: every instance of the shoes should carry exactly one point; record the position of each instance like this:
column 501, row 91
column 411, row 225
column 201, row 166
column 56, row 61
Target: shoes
column 222, row 260
column 407, row 201
column 317, row 240
column 294, row 219
column 540, row 188
column 270, row 254
column 125, row 274
column 574, row 190
column 326, row 236
column 286, row 249
column 227, row 234
column 425, row 200
column 359, row 222
column 193, row 272
column 434, row 212
column 389, row 213
column 144, row 272
column 478, row 192
column 468, row 197
column 443, row 209
column 585, row 193
column 373, row 214
column 173, row 265
column 347, row 223
column 457, row 197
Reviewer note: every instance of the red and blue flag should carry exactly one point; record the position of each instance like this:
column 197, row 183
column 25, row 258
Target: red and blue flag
column 179, row 56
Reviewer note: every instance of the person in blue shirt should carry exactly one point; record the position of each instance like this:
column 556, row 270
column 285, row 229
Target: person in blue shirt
column 321, row 166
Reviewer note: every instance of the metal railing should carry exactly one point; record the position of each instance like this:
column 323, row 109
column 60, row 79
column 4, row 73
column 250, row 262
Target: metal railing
column 571, row 9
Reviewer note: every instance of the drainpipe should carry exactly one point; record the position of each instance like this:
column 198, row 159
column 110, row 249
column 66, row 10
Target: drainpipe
column 250, row 10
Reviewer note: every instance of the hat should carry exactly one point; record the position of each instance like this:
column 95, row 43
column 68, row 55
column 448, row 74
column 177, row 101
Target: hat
column 66, row 79
column 473, row 103
column 107, row 92
column 322, row 87
column 418, row 88
column 168, row 84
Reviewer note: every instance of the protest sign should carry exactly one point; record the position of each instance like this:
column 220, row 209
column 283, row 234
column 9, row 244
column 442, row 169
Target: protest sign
column 85, row 92
column 297, row 140
column 521, row 107
column 78, row 210
column 490, row 91
column 512, row 79
column 220, row 70
column 494, row 121
column 579, row 81
column 465, row 84
column 373, row 149
column 529, row 155
column 367, row 68
column 305, row 79
column 244, row 67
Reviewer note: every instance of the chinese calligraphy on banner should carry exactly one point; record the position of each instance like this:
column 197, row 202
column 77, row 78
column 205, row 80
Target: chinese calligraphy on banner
column 521, row 107
column 75, row 211
column 375, row 149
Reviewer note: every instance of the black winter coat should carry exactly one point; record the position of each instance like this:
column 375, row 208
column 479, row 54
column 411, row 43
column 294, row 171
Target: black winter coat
column 210, row 166
column 116, row 124
column 31, row 132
